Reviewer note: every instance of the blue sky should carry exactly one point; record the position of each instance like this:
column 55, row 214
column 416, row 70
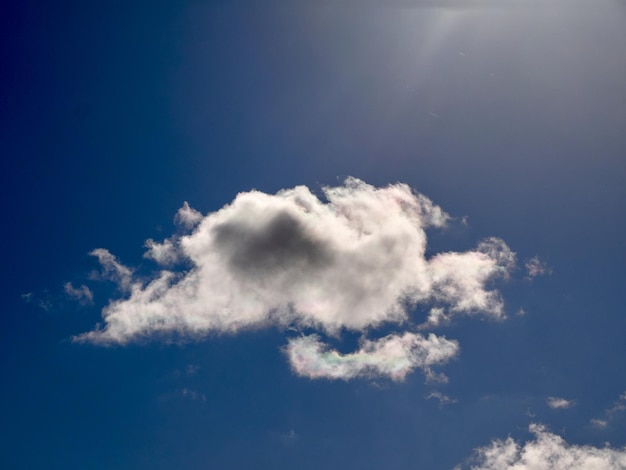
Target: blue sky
column 338, row 234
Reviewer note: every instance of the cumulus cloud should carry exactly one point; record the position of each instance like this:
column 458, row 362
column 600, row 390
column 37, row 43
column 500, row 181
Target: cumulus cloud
column 354, row 258
column 393, row 356
column 535, row 267
column 82, row 294
column 547, row 451
column 558, row 403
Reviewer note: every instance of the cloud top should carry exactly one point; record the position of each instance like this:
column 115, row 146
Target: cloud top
column 352, row 258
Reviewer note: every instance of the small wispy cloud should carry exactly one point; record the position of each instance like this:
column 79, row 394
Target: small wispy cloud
column 442, row 398
column 546, row 451
column 599, row 423
column 535, row 267
column 289, row 437
column 112, row 269
column 616, row 409
column 39, row 300
column 393, row 356
column 187, row 216
column 81, row 294
column 193, row 395
column 559, row 403
column 192, row 369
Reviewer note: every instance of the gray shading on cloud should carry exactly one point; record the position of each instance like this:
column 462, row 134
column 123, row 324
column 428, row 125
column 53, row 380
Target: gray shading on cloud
column 281, row 244
column 354, row 258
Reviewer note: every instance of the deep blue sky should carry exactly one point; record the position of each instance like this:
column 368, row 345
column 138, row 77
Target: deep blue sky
column 112, row 114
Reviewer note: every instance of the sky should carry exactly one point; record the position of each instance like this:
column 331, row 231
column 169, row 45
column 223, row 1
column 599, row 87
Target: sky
column 313, row 234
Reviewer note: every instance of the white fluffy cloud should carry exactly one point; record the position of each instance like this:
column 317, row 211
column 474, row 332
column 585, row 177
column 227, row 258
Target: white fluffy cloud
column 394, row 356
column 353, row 258
column 353, row 261
column 547, row 452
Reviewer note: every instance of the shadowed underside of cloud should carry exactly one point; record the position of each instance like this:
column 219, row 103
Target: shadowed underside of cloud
column 547, row 451
column 394, row 356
